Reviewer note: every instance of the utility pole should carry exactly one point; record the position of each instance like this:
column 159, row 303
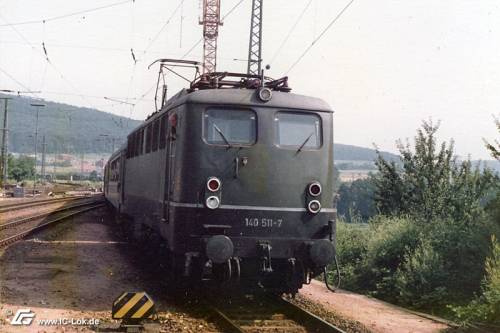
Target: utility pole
column 43, row 159
column 81, row 164
column 211, row 22
column 37, row 106
column 255, row 46
column 54, row 165
column 112, row 139
column 5, row 141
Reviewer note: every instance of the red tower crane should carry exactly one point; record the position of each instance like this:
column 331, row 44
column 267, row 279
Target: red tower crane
column 211, row 22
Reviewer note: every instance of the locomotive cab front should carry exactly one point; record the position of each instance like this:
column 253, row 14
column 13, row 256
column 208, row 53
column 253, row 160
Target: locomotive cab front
column 251, row 190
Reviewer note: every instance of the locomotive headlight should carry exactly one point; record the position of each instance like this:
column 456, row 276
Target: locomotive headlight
column 314, row 206
column 212, row 202
column 213, row 184
column 314, row 189
column 265, row 94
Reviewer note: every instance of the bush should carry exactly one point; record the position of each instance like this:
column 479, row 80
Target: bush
column 403, row 260
column 486, row 307
column 421, row 278
column 370, row 254
column 351, row 248
column 463, row 249
column 390, row 239
column 21, row 168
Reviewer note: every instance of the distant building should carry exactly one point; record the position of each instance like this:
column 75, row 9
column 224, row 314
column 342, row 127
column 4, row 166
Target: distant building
column 348, row 176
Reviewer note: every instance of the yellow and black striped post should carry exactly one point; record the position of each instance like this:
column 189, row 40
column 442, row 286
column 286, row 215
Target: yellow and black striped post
column 132, row 307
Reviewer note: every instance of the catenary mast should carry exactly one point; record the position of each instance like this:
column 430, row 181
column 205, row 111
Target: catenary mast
column 255, row 46
column 211, row 22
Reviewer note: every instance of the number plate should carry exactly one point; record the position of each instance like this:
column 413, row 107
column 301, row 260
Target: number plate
column 263, row 222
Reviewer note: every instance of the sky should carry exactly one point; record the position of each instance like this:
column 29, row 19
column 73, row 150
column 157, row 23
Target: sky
column 384, row 66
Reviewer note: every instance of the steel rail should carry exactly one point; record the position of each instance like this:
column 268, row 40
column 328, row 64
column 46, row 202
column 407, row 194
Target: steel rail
column 297, row 312
column 14, row 223
column 291, row 315
column 9, row 240
column 23, row 205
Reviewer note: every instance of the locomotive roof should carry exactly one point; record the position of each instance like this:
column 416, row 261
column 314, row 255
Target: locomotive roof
column 238, row 97
column 248, row 97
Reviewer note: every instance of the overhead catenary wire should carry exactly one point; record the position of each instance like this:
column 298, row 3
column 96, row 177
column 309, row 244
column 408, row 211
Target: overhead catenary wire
column 18, row 32
column 181, row 24
column 290, row 32
column 91, row 96
column 45, row 57
column 42, row 83
column 55, row 18
column 232, row 9
column 163, row 27
column 90, row 47
column 332, row 22
column 150, row 90
column 15, row 80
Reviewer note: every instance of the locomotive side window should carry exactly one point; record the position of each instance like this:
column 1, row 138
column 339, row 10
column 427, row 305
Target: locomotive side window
column 298, row 130
column 115, row 170
column 130, row 146
column 149, row 136
column 156, row 129
column 140, row 146
column 228, row 127
column 136, row 143
column 163, row 132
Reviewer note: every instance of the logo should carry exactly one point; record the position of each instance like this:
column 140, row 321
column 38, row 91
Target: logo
column 23, row 317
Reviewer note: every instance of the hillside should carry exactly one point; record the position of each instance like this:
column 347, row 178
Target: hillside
column 67, row 128
column 354, row 153
column 71, row 129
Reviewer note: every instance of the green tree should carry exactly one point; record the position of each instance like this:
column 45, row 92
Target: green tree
column 430, row 183
column 494, row 148
column 21, row 168
column 336, row 178
column 494, row 205
column 356, row 199
column 485, row 307
column 93, row 176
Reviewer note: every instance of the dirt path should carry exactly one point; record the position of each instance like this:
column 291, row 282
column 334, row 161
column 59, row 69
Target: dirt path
column 376, row 315
column 76, row 271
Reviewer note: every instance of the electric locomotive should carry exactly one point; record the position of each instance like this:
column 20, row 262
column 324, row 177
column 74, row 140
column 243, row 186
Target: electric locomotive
column 237, row 179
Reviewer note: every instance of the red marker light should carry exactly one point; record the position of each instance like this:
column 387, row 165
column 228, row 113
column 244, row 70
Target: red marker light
column 173, row 120
column 213, row 184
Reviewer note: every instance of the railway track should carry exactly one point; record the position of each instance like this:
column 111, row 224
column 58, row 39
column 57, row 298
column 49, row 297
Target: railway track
column 24, row 205
column 14, row 222
column 15, row 230
column 264, row 314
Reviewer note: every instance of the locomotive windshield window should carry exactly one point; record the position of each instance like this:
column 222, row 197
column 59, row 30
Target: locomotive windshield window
column 230, row 127
column 295, row 129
